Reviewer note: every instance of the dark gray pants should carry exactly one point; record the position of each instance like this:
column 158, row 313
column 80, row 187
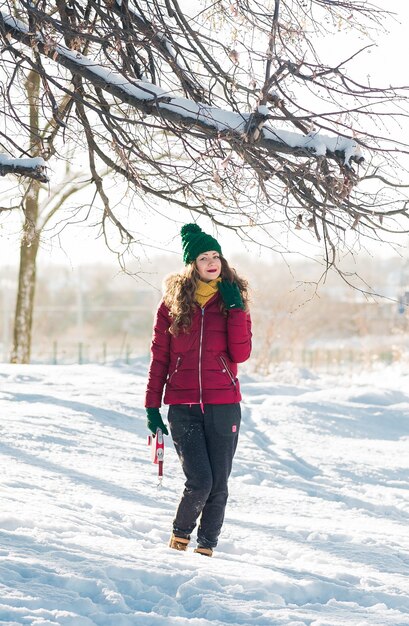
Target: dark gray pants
column 205, row 443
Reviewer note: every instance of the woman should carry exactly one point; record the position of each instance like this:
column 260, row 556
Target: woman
column 202, row 330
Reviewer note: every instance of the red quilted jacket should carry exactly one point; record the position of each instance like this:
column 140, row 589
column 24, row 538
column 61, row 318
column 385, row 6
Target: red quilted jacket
column 198, row 367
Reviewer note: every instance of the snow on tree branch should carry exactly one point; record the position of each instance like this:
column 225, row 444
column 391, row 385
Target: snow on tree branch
column 153, row 100
column 224, row 110
column 29, row 167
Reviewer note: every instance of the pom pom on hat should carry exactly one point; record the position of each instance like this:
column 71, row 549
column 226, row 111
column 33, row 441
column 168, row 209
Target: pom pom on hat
column 195, row 241
column 190, row 228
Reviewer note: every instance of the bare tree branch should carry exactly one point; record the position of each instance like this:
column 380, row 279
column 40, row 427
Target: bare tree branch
column 228, row 112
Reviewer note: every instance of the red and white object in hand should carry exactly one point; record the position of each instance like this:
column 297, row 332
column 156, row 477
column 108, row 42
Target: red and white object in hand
column 157, row 444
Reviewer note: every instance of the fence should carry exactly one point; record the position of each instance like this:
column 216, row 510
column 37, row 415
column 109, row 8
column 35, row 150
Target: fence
column 335, row 360
column 81, row 353
column 327, row 360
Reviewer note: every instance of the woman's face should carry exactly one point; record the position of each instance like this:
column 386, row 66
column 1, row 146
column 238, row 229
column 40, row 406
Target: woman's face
column 209, row 265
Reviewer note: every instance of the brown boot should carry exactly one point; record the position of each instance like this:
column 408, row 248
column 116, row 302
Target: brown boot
column 178, row 543
column 204, row 551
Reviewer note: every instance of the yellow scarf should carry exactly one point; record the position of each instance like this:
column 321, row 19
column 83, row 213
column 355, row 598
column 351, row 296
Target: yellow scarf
column 205, row 291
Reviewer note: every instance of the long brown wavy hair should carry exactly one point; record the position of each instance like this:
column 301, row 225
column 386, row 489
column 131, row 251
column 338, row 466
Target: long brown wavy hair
column 180, row 291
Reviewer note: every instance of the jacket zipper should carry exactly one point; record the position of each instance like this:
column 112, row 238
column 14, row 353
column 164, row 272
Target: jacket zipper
column 200, row 361
column 175, row 370
column 228, row 370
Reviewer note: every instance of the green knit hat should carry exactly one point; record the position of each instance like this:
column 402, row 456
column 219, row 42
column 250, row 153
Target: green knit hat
column 195, row 241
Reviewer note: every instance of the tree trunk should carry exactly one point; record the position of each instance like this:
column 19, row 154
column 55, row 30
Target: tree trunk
column 23, row 319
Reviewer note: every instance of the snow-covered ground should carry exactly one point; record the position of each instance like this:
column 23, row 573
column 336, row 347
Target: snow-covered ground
column 317, row 527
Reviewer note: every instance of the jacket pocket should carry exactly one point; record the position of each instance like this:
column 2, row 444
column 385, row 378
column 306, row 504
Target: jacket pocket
column 175, row 370
column 226, row 369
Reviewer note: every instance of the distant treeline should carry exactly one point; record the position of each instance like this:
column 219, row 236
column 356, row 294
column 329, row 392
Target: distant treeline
column 103, row 313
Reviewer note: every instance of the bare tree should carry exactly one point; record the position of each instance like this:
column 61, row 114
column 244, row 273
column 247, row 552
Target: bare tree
column 225, row 109
column 37, row 213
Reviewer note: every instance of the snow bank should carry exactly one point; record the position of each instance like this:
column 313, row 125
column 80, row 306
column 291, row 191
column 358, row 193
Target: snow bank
column 316, row 527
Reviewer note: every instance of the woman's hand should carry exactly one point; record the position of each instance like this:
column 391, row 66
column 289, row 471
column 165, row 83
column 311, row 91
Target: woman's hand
column 155, row 421
column 231, row 295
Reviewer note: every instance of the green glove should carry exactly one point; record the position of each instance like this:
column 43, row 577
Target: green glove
column 155, row 421
column 231, row 295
